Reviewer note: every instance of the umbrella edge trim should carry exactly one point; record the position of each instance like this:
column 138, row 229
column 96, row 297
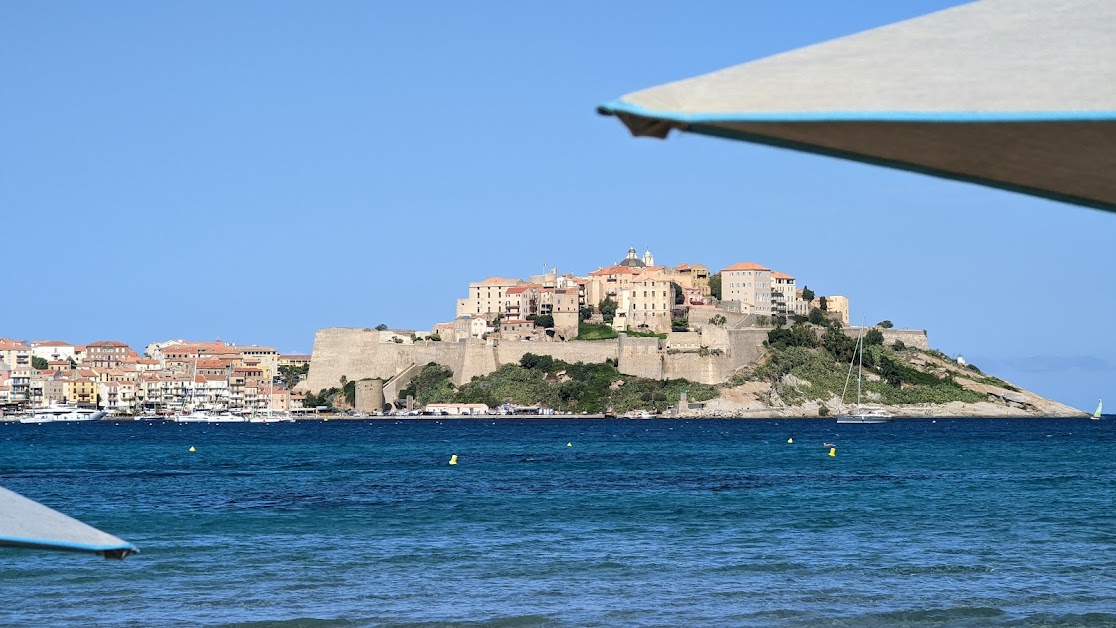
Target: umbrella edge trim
column 621, row 106
column 15, row 541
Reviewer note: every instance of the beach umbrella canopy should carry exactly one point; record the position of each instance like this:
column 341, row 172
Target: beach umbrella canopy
column 27, row 523
column 1014, row 94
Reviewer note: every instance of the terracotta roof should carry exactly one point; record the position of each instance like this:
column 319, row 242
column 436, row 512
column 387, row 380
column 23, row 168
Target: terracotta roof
column 518, row 290
column 778, row 275
column 106, row 343
column 747, row 266
column 614, row 270
column 294, row 356
column 501, row 280
column 50, row 343
column 12, row 345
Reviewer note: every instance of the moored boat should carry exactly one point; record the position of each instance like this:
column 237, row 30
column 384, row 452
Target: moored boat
column 861, row 414
column 61, row 412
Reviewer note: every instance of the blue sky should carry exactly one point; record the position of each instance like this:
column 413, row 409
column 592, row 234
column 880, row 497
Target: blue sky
column 256, row 171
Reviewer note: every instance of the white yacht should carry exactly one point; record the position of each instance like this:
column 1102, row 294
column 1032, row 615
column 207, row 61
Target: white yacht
column 270, row 416
column 202, row 416
column 61, row 412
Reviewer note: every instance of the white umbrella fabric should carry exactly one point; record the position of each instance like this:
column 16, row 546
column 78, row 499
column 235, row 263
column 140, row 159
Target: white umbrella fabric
column 27, row 523
column 1014, row 94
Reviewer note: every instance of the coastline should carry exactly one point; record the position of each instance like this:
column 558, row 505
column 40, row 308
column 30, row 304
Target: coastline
column 720, row 408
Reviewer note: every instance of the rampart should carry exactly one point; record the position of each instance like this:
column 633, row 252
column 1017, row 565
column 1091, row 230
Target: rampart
column 721, row 350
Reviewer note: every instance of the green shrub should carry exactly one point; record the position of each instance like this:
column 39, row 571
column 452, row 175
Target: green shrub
column 589, row 331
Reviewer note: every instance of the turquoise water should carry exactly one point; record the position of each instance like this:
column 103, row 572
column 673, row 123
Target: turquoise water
column 972, row 522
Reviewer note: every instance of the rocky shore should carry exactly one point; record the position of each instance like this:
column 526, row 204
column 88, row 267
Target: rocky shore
column 742, row 402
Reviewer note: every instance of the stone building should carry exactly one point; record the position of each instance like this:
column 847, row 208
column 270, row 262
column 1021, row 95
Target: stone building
column 486, row 297
column 746, row 287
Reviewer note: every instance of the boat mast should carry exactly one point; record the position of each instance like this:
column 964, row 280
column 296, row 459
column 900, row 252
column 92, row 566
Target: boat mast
column 860, row 366
column 848, row 376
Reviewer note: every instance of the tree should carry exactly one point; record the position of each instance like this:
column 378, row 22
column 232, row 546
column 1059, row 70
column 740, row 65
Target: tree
column 381, row 327
column 817, row 316
column 885, row 324
column 40, row 364
column 608, row 309
column 874, row 337
column 432, row 384
column 823, row 304
column 290, row 375
column 807, row 294
column 681, row 323
column 544, row 363
column 715, row 286
column 546, row 320
column 797, row 336
column 586, row 312
column 839, row 344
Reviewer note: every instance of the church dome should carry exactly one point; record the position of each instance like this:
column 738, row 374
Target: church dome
column 631, row 260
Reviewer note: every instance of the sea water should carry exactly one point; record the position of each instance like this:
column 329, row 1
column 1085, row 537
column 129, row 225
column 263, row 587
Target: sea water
column 971, row 522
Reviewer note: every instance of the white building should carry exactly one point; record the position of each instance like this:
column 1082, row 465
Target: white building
column 52, row 350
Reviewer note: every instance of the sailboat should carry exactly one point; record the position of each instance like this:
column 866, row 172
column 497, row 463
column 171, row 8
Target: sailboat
column 862, row 414
column 1097, row 413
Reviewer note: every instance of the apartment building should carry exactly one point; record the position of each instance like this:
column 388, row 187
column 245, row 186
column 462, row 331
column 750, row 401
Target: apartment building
column 17, row 356
column 747, row 287
column 784, row 299
column 106, row 354
column 486, row 297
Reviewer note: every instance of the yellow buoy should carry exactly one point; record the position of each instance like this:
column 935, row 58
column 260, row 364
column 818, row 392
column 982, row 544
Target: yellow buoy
column 453, row 459
column 790, row 441
column 192, row 450
column 569, row 444
column 325, row 419
column 833, row 452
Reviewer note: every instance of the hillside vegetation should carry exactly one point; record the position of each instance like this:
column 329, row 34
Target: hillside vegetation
column 542, row 380
column 808, row 362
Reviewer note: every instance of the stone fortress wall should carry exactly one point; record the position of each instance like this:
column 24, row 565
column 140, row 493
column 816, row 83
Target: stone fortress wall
column 709, row 355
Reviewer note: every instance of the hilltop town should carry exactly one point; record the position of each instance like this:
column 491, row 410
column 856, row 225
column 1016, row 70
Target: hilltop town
column 649, row 323
column 632, row 295
column 691, row 341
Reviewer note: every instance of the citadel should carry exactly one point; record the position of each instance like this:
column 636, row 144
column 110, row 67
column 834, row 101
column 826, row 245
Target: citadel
column 658, row 322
